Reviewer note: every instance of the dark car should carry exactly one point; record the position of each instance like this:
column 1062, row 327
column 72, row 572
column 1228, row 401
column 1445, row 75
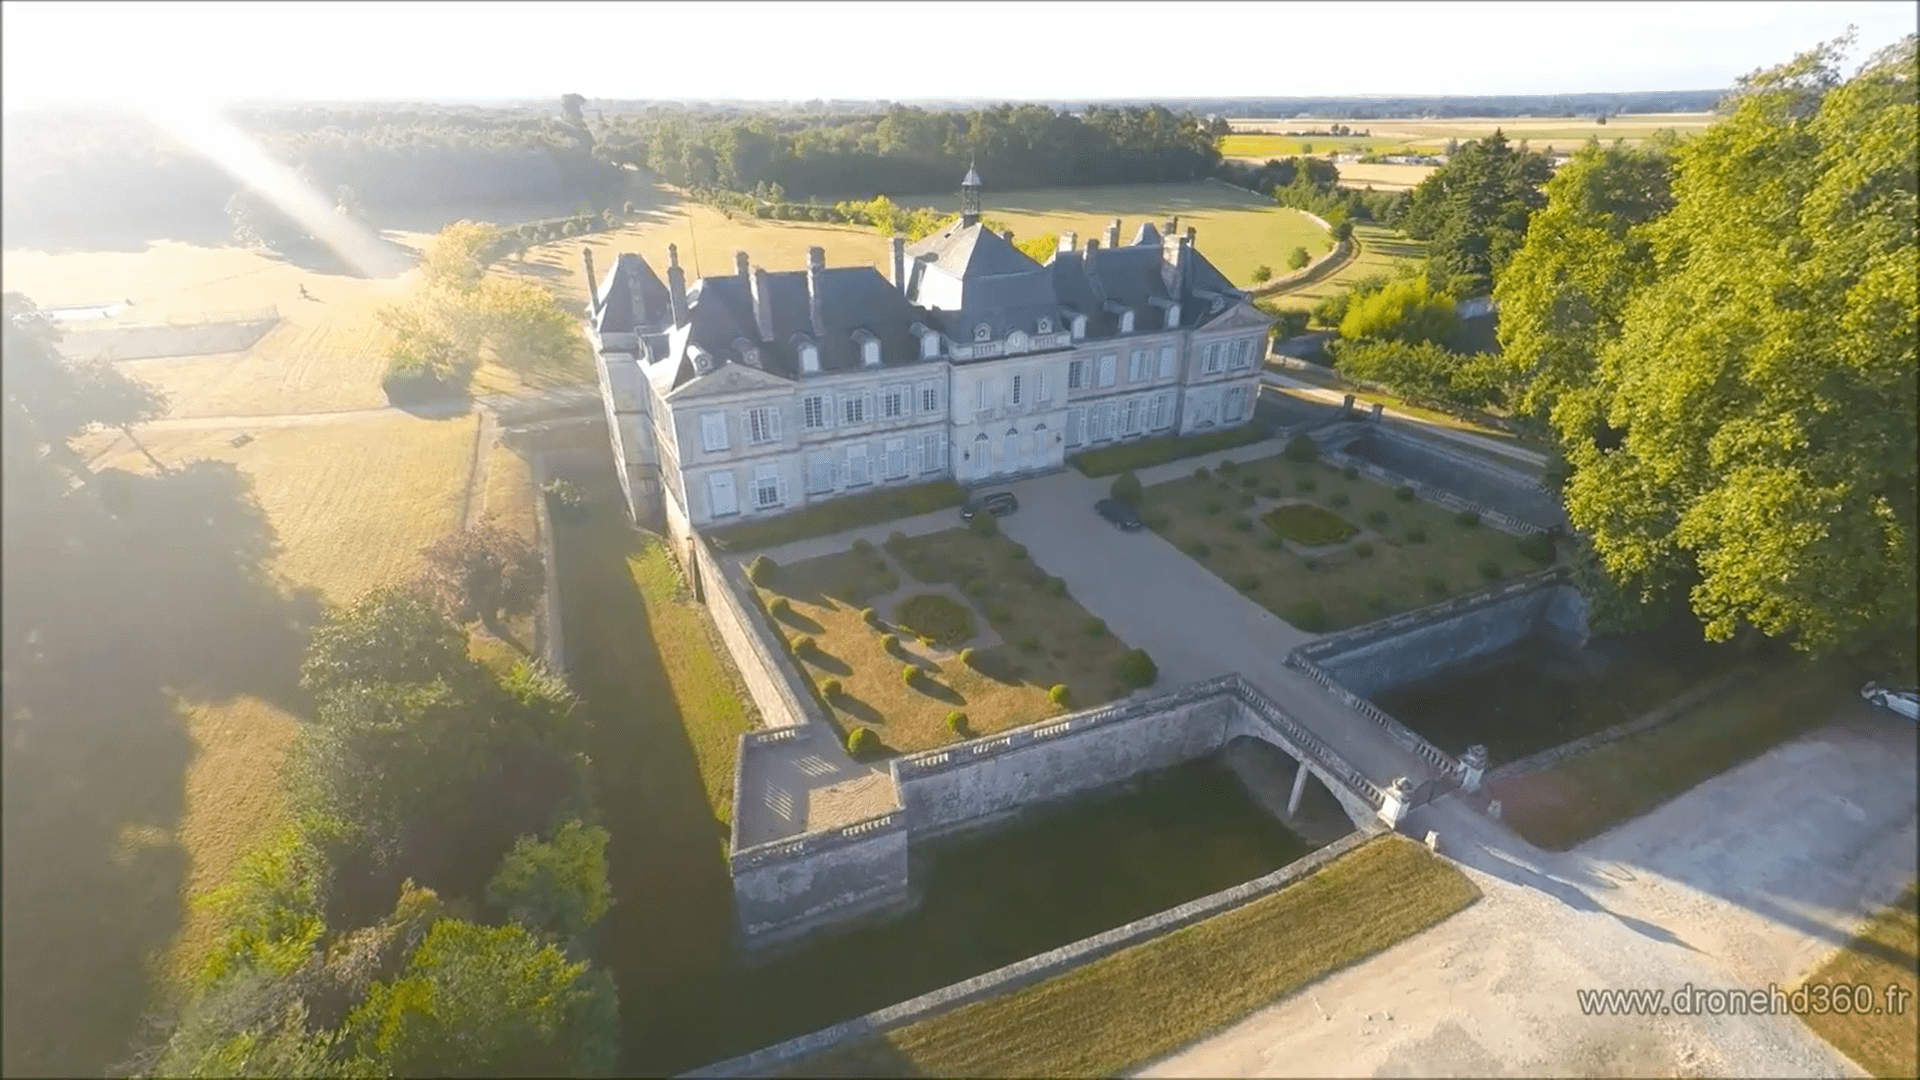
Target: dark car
column 997, row 503
column 1122, row 515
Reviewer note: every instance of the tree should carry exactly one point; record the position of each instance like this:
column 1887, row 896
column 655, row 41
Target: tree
column 50, row 400
column 572, row 109
column 456, row 257
column 390, row 635
column 556, row 887
column 525, row 325
column 1424, row 370
column 1343, row 231
column 1473, row 210
column 1040, row 248
column 1751, row 429
column 1406, row 311
column 1298, row 258
column 1262, row 273
column 488, row 1001
column 485, row 572
column 1586, row 253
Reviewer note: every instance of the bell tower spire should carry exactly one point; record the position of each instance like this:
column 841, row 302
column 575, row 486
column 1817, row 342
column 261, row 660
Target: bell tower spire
column 970, row 197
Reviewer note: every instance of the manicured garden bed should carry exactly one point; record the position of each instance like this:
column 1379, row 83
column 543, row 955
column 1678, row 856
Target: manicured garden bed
column 1118, row 458
column 839, row 515
column 1308, row 525
column 930, row 615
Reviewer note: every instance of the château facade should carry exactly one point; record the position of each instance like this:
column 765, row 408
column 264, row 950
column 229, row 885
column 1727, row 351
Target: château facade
column 762, row 391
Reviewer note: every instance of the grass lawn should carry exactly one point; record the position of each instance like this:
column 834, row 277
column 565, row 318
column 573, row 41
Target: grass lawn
column 1381, row 249
column 1124, row 1010
column 1581, row 797
column 1349, row 588
column 1881, row 954
column 1328, row 379
column 1237, row 230
column 1043, row 639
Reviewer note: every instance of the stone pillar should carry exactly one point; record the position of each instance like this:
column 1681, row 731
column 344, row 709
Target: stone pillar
column 1394, row 808
column 1299, row 789
column 1376, row 412
column 1346, row 408
column 1473, row 766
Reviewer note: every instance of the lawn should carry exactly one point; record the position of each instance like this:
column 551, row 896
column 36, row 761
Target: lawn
column 1381, row 250
column 1237, row 230
column 1025, row 640
column 1348, row 586
column 146, row 761
column 1581, row 797
column 1124, row 1010
column 1880, row 955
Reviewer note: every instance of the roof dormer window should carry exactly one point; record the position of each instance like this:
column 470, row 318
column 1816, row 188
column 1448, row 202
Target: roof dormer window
column 1126, row 322
column 809, row 358
column 929, row 345
column 1046, row 325
column 870, row 353
column 1079, row 327
column 983, row 332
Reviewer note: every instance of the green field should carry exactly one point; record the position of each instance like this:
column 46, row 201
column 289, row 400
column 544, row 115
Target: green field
column 1237, row 230
column 1262, row 147
column 1381, row 250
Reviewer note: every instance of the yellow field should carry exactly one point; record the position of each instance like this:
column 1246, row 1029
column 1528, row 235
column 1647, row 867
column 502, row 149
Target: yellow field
column 1383, row 177
column 1562, row 132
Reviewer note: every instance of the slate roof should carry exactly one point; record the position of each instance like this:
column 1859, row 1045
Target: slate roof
column 617, row 313
column 968, row 251
column 1134, row 276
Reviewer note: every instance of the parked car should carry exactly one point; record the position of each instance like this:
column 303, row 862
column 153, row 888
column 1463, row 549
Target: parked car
column 997, row 503
column 1120, row 514
column 1905, row 702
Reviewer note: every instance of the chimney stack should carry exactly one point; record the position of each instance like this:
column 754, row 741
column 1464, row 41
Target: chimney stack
column 762, row 304
column 1173, row 263
column 676, row 285
column 1191, row 233
column 898, row 247
column 1113, row 233
column 1173, row 225
column 816, row 263
column 740, row 265
column 1069, row 240
column 1007, row 235
column 1092, row 245
column 593, row 283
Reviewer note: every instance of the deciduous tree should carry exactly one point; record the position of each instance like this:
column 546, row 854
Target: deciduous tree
column 486, row 572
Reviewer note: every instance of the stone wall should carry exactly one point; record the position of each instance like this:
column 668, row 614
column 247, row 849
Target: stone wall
column 1332, row 439
column 784, row 889
column 1467, row 475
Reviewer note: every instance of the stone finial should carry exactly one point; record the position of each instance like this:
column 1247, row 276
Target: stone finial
column 1473, row 767
column 741, row 265
column 1007, row 235
column 1093, row 245
column 1191, row 233
column 676, row 286
column 816, row 258
column 673, row 255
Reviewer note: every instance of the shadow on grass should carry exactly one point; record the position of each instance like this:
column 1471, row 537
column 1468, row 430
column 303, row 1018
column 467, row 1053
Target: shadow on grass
column 127, row 603
column 797, row 621
column 852, row 706
column 828, row 663
column 998, row 666
column 938, row 691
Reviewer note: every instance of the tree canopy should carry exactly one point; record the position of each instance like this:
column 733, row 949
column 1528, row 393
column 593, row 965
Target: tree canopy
column 1473, row 211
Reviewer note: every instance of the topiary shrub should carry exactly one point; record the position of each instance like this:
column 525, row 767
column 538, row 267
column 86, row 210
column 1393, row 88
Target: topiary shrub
column 1404, row 493
column 1227, row 465
column 1095, row 628
column 1242, row 523
column 896, row 538
column 1377, row 518
column 1363, row 549
column 1027, row 643
column 1416, row 535
column 1213, row 506
column 870, row 617
column 1306, row 485
column 1060, row 695
column 890, row 643
column 1537, row 546
column 802, row 644
column 762, row 570
column 1017, row 552
column 1249, row 482
column 1246, row 582
column 1436, row 585
column 1490, row 570
column 830, row 689
column 1338, row 498
column 966, row 656
column 1137, row 669
column 1126, row 488
column 957, row 723
column 1351, row 472
column 1308, row 615
column 983, row 524
column 862, row 742
column 1199, row 549
column 1270, row 542
column 1054, row 586
column 1302, row 448
column 999, row 615
column 779, row 608
column 1467, row 518
column 908, row 673
column 935, row 617
column 889, row 581
column 1310, row 563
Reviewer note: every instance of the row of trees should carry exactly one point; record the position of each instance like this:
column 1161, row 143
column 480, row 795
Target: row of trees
column 1313, row 184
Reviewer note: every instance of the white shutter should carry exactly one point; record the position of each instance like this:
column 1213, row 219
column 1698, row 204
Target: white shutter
column 773, row 422
column 1106, row 370
column 1042, row 392
column 1166, row 361
column 783, row 490
column 713, row 430
column 720, row 496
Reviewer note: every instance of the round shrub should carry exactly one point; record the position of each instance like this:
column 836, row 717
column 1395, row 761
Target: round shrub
column 802, row 644
column 1404, row 493
column 565, row 498
column 935, row 618
column 983, row 524
column 1246, row 582
column 957, row 723
column 1363, row 549
column 1137, row 669
column 1351, row 472
column 1436, row 585
column 889, row 581
column 1223, row 484
column 1310, row 563
column 1490, row 570
column 1198, row 549
column 881, row 565
column 1126, row 488
column 1095, row 628
column 1201, row 473
column 1249, row 482
column 1017, row 552
column 1228, row 465
column 1308, row 615
column 1468, row 518
column 1242, row 523
column 890, row 642
column 1306, row 484
column 1060, row 694
column 1338, row 498
column 908, row 673
column 762, row 570
column 1213, row 506
column 830, row 689
column 1416, row 535
column 779, row 607
column 861, row 742
column 974, row 587
column 896, row 538
column 1302, row 448
column 1027, row 643
column 1271, row 542
column 863, row 546
column 1377, row 518
column 1538, row 547
column 1054, row 586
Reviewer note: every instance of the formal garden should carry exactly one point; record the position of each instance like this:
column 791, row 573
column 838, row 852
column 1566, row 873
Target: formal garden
column 1326, row 548
column 929, row 639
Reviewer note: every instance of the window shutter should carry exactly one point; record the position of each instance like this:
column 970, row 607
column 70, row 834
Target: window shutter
column 773, row 423
column 1166, row 361
column 781, row 484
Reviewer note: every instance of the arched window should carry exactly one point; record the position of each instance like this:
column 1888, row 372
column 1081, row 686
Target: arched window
column 1126, row 322
column 929, row 345
column 809, row 359
column 983, row 332
column 1046, row 325
column 870, row 353
column 1079, row 327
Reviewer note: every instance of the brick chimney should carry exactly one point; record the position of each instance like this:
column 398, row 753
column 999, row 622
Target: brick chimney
column 593, row 283
column 762, row 304
column 630, row 265
column 816, row 264
column 1113, row 233
column 1173, row 263
column 676, row 285
column 898, row 249
column 741, row 266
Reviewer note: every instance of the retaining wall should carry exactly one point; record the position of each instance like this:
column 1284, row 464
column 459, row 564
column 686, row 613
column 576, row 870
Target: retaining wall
column 149, row 342
column 1331, row 439
column 787, row 888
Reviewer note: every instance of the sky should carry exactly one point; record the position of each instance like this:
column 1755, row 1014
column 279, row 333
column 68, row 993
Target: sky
column 211, row 53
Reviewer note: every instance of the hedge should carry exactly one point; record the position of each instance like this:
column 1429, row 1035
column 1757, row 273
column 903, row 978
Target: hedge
column 838, row 515
column 1109, row 460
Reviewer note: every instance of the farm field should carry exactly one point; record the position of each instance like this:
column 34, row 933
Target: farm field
column 1237, row 230
column 1381, row 250
column 1383, row 177
column 1564, row 132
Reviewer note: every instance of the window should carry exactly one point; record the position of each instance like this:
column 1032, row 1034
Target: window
column 1236, row 400
column 1130, row 417
column 809, row 359
column 870, row 353
column 713, row 432
column 813, row 412
column 1163, row 411
column 933, row 447
column 983, row 332
column 819, row 475
column 1106, row 369
column 1137, row 366
column 859, row 469
column 768, row 488
column 1042, row 393
column 1079, row 327
column 1077, row 375
column 1013, row 391
column 1126, row 322
column 893, row 402
column 1076, row 426
column 1166, row 361
column 983, row 394
column 763, row 424
column 1046, row 325
column 1242, row 352
column 894, row 464
column 853, row 409
column 1212, row 364
column 929, row 345
column 1016, row 342
column 720, row 500
column 929, row 397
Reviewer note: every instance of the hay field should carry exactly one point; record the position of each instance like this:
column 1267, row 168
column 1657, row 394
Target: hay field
column 1237, row 230
column 1381, row 250
column 1383, row 177
column 1564, row 132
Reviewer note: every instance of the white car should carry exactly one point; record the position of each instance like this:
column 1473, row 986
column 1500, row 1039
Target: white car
column 1905, row 702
